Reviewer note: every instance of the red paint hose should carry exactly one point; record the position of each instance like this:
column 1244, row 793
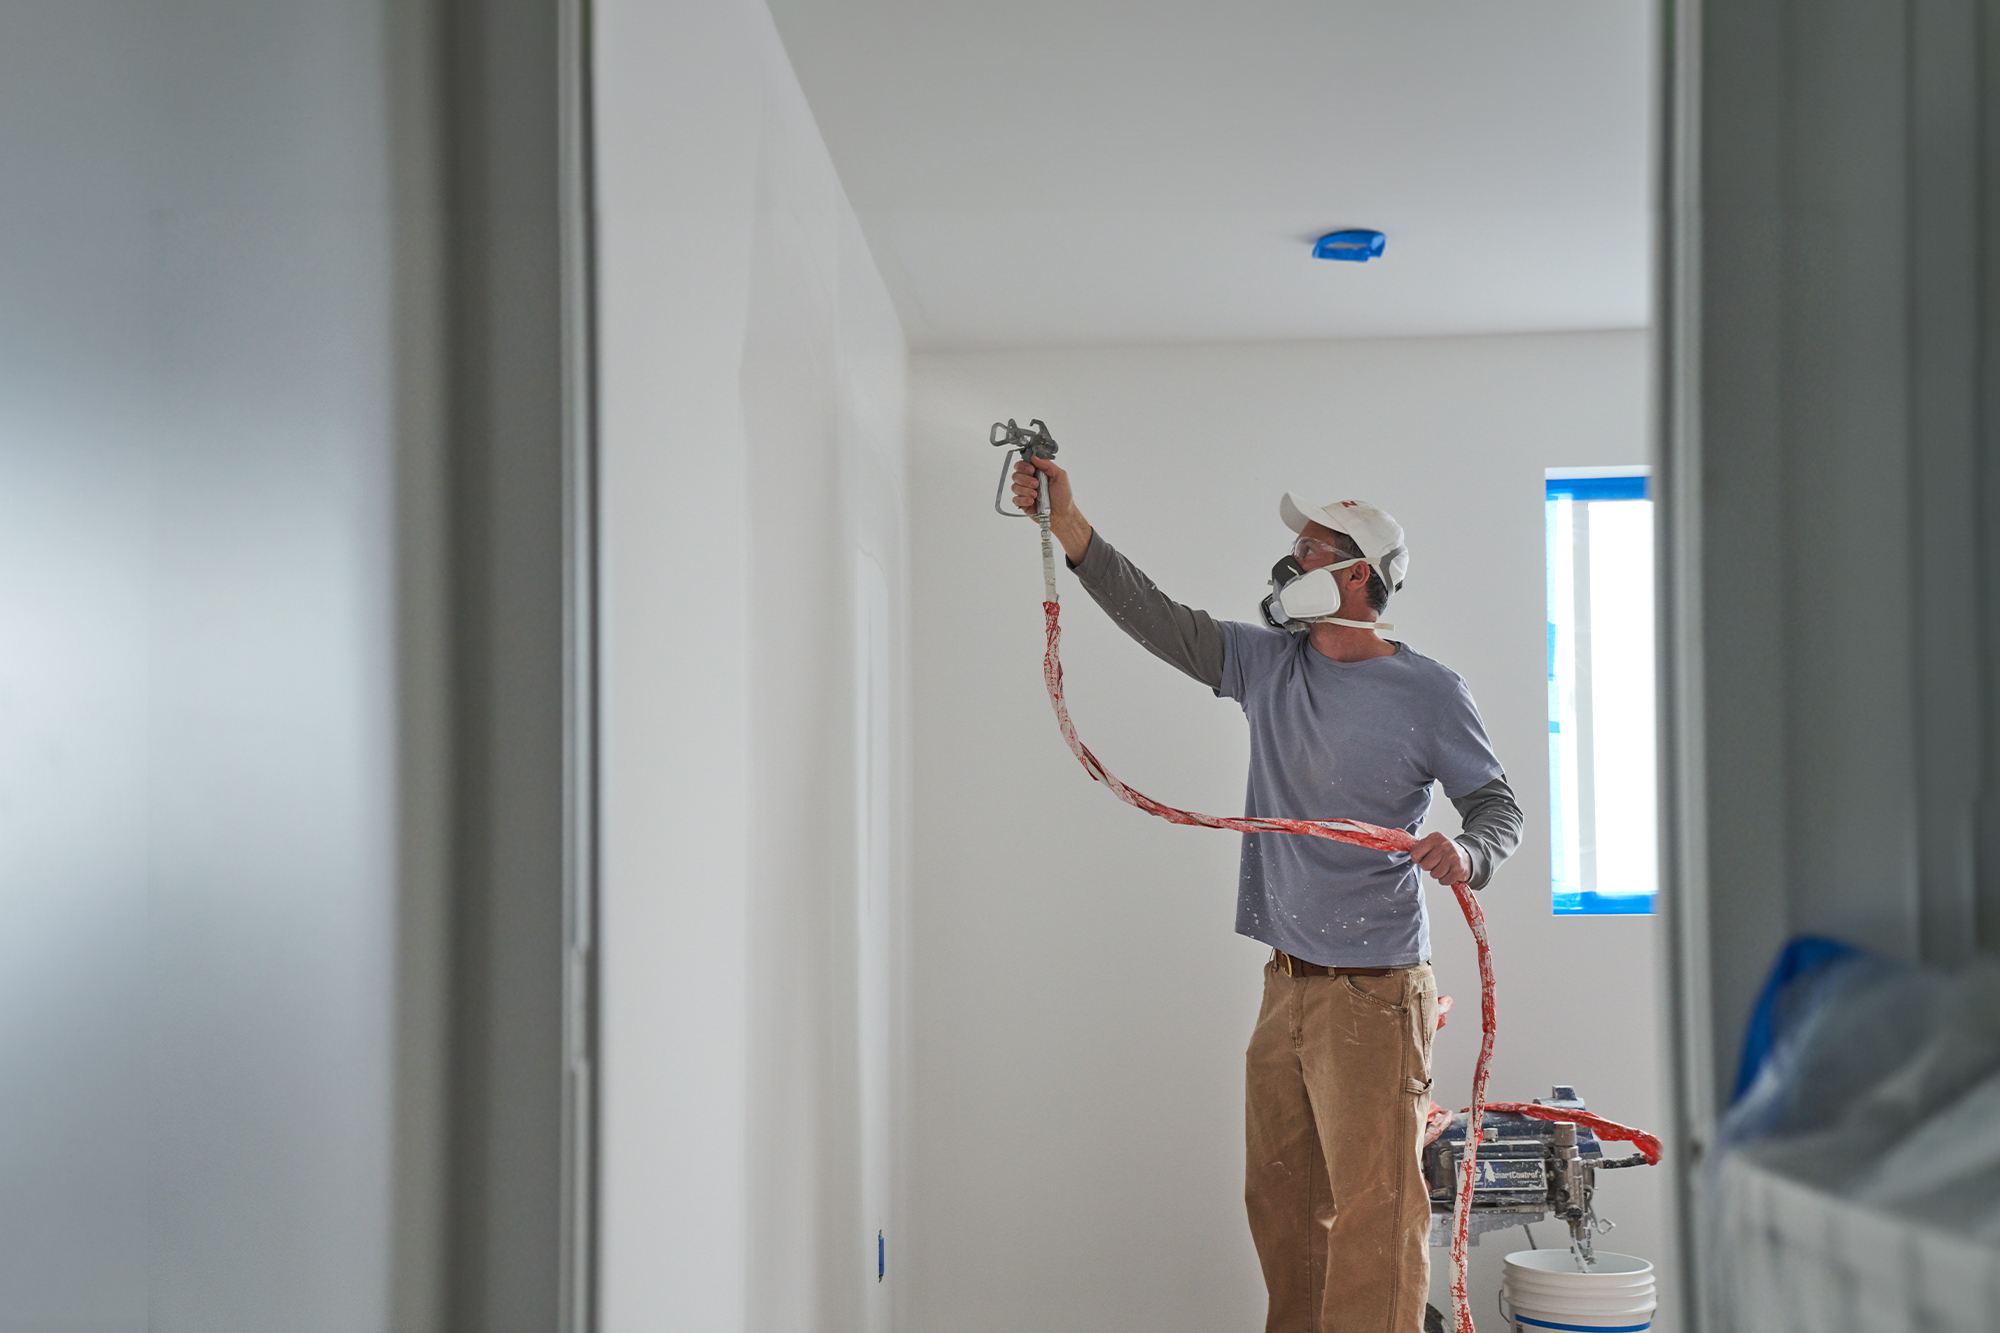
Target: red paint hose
column 1648, row 1146
column 1438, row 1120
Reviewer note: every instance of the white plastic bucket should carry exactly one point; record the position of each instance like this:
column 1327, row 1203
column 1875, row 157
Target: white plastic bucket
column 1542, row 1292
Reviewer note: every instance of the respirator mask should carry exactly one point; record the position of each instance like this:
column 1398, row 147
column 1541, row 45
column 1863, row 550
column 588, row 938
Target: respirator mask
column 1300, row 599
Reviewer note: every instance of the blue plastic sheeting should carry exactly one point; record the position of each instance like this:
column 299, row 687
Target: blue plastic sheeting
column 1880, row 1087
column 1800, row 960
column 1596, row 488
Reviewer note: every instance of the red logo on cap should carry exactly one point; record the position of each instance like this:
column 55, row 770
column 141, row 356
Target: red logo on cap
column 1350, row 504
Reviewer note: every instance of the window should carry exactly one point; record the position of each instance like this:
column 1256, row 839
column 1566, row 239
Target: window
column 1603, row 827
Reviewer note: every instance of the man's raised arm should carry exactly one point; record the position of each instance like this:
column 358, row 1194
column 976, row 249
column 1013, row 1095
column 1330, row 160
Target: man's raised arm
column 1186, row 639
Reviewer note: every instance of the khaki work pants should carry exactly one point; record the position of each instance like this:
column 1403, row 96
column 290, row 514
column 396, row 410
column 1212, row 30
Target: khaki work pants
column 1338, row 1081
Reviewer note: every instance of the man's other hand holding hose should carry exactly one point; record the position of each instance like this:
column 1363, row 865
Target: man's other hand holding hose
column 1442, row 859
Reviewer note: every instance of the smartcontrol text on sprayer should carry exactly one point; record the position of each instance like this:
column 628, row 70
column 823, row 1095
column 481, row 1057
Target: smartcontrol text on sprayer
column 1528, row 1171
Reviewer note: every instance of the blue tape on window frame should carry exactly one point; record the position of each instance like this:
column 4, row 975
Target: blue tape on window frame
column 1596, row 488
column 1591, row 903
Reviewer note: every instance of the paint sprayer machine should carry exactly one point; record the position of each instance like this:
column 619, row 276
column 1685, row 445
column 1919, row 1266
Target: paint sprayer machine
column 1530, row 1160
column 1529, row 1170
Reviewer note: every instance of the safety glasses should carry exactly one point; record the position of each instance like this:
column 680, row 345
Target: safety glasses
column 1305, row 548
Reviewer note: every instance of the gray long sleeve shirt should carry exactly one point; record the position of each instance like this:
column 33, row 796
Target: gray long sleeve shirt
column 1360, row 740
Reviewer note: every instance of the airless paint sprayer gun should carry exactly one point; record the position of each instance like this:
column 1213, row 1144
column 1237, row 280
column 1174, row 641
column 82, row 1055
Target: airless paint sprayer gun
column 1023, row 443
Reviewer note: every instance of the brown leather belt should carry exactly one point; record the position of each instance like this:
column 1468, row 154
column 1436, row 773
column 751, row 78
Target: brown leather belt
column 1299, row 967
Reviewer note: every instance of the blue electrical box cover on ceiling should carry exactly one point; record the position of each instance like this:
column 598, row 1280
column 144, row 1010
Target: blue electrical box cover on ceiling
column 1355, row 246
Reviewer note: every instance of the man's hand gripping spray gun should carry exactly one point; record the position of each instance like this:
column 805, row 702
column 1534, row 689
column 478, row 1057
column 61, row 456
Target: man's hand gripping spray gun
column 1032, row 441
column 1036, row 442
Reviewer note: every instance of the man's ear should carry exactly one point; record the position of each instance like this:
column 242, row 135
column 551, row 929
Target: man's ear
column 1358, row 574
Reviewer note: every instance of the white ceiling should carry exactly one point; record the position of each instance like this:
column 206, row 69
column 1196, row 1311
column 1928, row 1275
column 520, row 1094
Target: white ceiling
column 1055, row 172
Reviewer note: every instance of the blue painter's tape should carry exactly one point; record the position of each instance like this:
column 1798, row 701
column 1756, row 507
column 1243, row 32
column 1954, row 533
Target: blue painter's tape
column 1596, row 488
column 1520, row 1318
column 1604, row 904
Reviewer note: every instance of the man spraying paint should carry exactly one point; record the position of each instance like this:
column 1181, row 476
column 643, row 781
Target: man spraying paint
column 1343, row 724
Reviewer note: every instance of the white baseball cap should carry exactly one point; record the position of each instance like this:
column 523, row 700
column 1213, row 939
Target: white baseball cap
column 1379, row 536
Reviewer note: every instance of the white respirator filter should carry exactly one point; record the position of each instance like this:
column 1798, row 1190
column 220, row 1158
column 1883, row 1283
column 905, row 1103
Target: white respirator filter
column 1305, row 598
column 1313, row 596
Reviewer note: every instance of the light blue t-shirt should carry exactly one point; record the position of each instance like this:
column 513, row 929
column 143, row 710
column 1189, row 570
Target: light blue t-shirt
column 1344, row 740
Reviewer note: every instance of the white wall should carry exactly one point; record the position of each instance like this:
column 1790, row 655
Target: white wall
column 1080, row 1005
column 752, row 447
column 200, row 803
